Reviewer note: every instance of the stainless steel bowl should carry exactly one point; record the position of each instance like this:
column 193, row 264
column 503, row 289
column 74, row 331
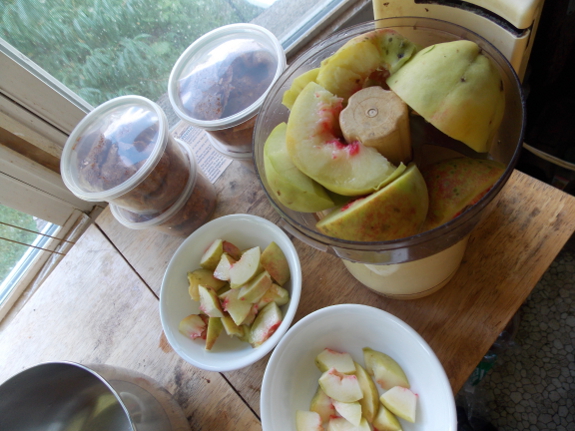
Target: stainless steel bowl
column 66, row 396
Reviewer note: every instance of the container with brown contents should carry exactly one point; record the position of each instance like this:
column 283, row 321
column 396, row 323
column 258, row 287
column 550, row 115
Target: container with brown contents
column 123, row 153
column 194, row 207
column 220, row 81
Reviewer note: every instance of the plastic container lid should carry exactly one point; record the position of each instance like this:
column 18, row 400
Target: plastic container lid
column 133, row 127
column 221, row 79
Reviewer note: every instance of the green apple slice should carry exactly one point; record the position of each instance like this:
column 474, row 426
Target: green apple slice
column 457, row 89
column 274, row 261
column 307, row 421
column 292, row 187
column 322, row 404
column 370, row 401
column 316, row 148
column 396, row 211
column 341, row 361
column 385, row 420
column 204, row 277
column 400, row 401
column 340, row 387
column 385, row 370
column 456, row 184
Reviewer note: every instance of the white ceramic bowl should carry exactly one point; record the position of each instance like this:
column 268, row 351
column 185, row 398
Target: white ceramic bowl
column 228, row 353
column 291, row 376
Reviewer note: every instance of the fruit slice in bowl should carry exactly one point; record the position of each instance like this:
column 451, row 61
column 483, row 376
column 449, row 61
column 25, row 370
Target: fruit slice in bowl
column 317, row 149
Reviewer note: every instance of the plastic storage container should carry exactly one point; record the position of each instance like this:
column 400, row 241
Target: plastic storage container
column 193, row 208
column 220, row 82
column 420, row 264
column 123, row 153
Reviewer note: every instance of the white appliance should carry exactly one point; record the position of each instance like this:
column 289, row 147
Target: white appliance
column 510, row 25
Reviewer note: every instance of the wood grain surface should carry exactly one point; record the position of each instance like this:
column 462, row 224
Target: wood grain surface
column 94, row 309
column 507, row 254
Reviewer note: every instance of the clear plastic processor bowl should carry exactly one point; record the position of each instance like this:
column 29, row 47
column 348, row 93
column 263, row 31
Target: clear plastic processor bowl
column 420, row 264
column 122, row 153
column 220, row 82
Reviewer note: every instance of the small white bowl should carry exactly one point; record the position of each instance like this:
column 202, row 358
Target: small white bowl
column 228, row 353
column 291, row 376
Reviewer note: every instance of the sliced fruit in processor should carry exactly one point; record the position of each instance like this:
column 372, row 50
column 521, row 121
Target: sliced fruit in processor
column 363, row 61
column 456, row 88
column 398, row 210
column 316, row 147
column 455, row 184
column 297, row 86
column 292, row 187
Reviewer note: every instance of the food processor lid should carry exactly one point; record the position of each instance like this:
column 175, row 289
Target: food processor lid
column 221, row 80
column 114, row 148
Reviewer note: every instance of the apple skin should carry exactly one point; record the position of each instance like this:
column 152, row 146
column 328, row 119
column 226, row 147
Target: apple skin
column 456, row 88
column 396, row 211
column 455, row 184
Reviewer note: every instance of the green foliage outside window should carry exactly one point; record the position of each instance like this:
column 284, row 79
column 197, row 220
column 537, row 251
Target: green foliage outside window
column 10, row 253
column 103, row 49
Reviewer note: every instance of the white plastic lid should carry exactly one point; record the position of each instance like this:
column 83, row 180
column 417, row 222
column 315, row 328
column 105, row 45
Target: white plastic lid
column 130, row 130
column 144, row 221
column 221, row 79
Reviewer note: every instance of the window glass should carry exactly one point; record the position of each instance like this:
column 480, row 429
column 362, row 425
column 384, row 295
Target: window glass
column 21, row 237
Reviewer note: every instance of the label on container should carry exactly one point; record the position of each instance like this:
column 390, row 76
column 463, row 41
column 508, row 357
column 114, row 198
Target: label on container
column 212, row 163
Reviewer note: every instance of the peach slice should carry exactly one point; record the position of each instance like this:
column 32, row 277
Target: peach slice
column 292, row 187
column 322, row 404
column 202, row 277
column 456, row 184
column 456, row 88
column 363, row 61
column 316, row 148
column 297, row 86
column 400, row 401
column 396, row 211
column 194, row 326
column 307, row 421
column 384, row 369
column 274, row 261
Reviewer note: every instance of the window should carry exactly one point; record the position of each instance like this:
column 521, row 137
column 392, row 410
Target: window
column 60, row 58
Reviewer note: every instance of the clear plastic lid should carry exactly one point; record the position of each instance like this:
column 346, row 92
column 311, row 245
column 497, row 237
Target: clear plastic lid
column 221, row 80
column 114, row 148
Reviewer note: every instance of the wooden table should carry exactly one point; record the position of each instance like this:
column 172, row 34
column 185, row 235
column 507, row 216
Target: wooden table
column 100, row 305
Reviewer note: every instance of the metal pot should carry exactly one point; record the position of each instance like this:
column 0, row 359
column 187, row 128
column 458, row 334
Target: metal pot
column 66, row 396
